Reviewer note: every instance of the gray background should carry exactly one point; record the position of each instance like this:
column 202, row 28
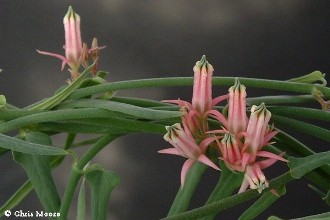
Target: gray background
column 254, row 38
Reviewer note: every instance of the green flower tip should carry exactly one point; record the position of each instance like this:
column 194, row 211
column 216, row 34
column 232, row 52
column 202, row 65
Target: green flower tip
column 261, row 109
column 71, row 13
column 237, row 86
column 203, row 62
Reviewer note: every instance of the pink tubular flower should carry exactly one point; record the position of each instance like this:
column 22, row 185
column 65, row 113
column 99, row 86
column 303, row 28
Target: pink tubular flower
column 257, row 134
column 230, row 149
column 202, row 89
column 73, row 44
column 185, row 145
column 237, row 119
column 202, row 103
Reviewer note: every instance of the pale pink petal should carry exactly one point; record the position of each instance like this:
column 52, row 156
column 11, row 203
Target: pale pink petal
column 206, row 142
column 266, row 163
column 271, row 155
column 219, row 99
column 244, row 186
column 173, row 151
column 203, row 159
column 269, row 136
column 52, row 54
column 217, row 115
column 64, row 60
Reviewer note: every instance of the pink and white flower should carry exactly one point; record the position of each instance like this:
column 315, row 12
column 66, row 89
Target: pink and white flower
column 185, row 145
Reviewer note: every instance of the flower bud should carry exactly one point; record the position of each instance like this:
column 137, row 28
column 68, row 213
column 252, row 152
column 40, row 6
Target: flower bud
column 256, row 129
column 237, row 119
column 202, row 89
column 73, row 44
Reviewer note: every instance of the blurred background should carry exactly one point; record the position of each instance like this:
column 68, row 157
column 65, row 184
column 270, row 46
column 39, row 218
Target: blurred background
column 253, row 38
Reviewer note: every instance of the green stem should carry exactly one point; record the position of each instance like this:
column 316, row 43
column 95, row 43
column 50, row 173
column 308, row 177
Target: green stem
column 69, row 192
column 187, row 81
column 280, row 99
column 77, row 172
column 229, row 202
column 184, row 195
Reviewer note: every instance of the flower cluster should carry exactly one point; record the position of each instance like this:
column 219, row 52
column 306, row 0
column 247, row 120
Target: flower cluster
column 240, row 140
column 76, row 52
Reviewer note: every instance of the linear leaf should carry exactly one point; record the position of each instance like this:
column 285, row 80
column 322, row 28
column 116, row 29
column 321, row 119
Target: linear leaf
column 128, row 109
column 28, row 148
column 38, row 170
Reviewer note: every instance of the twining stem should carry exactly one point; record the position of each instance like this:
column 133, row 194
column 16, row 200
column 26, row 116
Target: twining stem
column 77, row 172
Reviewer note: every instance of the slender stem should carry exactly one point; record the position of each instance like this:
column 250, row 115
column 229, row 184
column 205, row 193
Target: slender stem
column 77, row 172
column 229, row 202
column 69, row 192
column 184, row 195
column 187, row 81
column 280, row 99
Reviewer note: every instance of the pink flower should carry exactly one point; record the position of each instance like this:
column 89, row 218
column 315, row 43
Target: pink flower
column 237, row 119
column 231, row 154
column 202, row 89
column 202, row 102
column 185, row 145
column 73, row 45
column 257, row 134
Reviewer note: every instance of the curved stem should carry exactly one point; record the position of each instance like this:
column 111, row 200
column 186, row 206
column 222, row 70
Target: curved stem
column 187, row 81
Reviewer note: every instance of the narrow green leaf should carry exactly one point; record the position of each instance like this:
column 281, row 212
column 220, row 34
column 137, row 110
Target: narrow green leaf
column 62, row 95
column 128, row 109
column 38, row 170
column 300, row 166
column 79, row 114
column 81, row 205
column 28, row 148
column 102, row 183
column 266, row 200
column 300, row 112
column 303, row 127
